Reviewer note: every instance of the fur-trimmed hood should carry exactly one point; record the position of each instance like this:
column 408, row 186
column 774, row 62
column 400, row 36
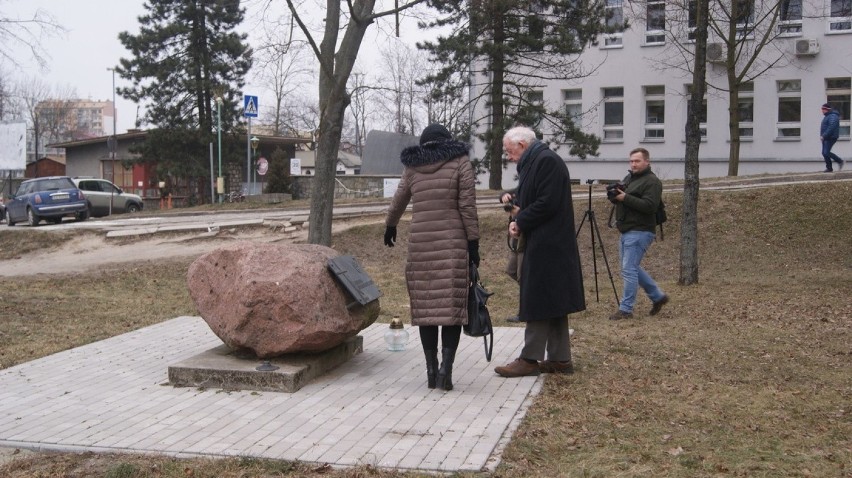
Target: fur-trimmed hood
column 432, row 153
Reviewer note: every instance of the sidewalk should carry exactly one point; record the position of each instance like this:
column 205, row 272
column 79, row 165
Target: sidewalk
column 113, row 396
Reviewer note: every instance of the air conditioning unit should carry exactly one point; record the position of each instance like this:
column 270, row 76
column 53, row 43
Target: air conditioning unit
column 807, row 47
column 716, row 52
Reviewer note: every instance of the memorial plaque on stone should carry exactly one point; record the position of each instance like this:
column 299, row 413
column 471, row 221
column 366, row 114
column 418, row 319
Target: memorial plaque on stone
column 347, row 270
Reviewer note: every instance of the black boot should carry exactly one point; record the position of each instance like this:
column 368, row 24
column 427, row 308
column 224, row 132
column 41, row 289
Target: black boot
column 445, row 373
column 431, row 367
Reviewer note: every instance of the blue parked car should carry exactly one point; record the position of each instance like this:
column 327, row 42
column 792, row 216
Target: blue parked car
column 49, row 198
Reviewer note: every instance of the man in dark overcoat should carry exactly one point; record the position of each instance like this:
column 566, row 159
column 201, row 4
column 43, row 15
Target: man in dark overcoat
column 551, row 276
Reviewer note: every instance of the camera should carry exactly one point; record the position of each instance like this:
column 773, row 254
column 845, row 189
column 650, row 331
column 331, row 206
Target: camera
column 613, row 190
column 508, row 207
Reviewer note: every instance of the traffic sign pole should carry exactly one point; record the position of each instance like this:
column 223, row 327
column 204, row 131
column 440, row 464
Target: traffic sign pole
column 248, row 158
column 250, row 106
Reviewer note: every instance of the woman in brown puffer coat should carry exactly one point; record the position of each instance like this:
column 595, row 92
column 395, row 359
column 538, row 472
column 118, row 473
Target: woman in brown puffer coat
column 439, row 182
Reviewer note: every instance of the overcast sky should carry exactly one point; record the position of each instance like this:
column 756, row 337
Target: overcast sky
column 80, row 57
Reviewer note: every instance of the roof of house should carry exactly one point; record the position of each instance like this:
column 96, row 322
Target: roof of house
column 381, row 152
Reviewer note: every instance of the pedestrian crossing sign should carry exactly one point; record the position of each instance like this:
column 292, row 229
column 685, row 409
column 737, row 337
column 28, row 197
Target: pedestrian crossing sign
column 250, row 106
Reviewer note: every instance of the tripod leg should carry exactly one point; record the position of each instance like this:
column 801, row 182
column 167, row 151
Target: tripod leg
column 594, row 253
column 591, row 215
column 603, row 252
column 580, row 227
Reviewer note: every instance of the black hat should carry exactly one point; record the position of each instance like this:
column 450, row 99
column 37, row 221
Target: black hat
column 435, row 133
column 826, row 106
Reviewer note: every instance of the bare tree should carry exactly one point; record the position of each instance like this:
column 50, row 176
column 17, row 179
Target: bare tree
column 28, row 31
column 405, row 99
column 359, row 108
column 336, row 56
column 281, row 67
column 46, row 110
column 299, row 114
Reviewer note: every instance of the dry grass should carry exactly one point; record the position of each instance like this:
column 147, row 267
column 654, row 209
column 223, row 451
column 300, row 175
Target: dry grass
column 745, row 374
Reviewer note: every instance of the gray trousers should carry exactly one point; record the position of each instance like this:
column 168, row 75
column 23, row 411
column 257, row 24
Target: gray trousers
column 549, row 335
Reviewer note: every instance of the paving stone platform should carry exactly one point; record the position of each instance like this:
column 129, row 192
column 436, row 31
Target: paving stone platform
column 114, row 396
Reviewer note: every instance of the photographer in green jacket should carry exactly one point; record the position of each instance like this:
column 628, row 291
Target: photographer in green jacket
column 636, row 201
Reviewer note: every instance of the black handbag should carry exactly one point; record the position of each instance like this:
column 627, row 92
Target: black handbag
column 478, row 317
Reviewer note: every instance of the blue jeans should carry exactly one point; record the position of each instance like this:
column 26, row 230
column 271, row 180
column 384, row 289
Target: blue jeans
column 631, row 249
column 827, row 155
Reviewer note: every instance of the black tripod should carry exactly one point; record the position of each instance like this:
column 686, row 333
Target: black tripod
column 593, row 227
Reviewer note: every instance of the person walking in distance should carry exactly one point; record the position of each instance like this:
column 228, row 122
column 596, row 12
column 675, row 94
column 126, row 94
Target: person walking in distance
column 635, row 217
column 438, row 180
column 551, row 279
column 829, row 131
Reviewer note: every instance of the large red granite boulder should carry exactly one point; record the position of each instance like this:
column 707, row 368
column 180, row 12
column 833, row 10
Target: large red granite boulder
column 273, row 299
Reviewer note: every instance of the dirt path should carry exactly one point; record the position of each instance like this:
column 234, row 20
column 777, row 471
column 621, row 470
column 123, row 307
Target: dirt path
column 86, row 252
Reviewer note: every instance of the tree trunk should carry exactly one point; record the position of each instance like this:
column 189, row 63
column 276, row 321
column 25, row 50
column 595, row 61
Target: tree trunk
column 334, row 72
column 689, row 223
column 495, row 145
column 733, row 124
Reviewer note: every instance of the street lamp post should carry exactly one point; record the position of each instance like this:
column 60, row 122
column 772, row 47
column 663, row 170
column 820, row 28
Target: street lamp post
column 114, row 143
column 254, row 142
column 220, row 181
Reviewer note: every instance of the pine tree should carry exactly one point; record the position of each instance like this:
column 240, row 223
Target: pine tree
column 516, row 47
column 185, row 55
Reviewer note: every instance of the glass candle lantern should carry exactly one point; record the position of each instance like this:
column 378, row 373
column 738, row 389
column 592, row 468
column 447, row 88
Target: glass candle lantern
column 396, row 336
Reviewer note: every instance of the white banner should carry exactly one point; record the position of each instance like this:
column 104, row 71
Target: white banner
column 295, row 166
column 13, row 146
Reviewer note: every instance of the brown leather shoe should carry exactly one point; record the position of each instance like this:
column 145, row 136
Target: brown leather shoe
column 549, row 366
column 518, row 368
column 658, row 305
column 620, row 315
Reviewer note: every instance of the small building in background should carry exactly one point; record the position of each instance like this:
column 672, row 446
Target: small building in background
column 46, row 166
column 348, row 164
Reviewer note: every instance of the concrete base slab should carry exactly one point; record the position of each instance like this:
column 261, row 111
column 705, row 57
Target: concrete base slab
column 221, row 367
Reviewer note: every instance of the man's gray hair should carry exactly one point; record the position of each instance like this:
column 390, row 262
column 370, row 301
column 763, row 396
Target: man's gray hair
column 520, row 134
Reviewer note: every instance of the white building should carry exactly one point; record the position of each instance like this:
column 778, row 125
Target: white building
column 636, row 97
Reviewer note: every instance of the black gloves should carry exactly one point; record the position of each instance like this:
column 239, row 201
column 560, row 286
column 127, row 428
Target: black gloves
column 390, row 235
column 473, row 251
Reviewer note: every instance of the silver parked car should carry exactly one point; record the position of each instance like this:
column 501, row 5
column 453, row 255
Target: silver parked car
column 99, row 193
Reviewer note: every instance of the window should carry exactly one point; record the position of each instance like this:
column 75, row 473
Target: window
column 613, row 129
column 746, row 110
column 838, row 92
column 614, row 19
column 655, row 23
column 841, row 16
column 691, row 19
column 702, row 115
column 655, row 112
column 573, row 101
column 745, row 18
column 790, row 18
column 789, row 109
column 121, row 177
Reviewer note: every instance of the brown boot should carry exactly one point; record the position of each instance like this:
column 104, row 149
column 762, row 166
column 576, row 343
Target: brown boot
column 549, row 366
column 518, row 368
